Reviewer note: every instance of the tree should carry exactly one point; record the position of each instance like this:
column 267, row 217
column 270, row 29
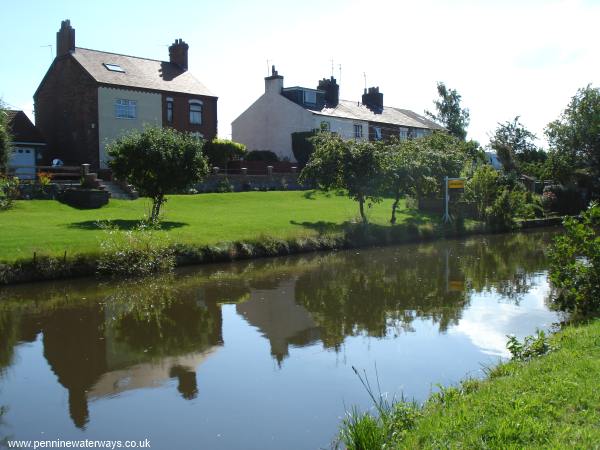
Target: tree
column 449, row 112
column 576, row 134
column 483, row 188
column 514, row 145
column 4, row 139
column 417, row 167
column 355, row 166
column 158, row 161
column 220, row 151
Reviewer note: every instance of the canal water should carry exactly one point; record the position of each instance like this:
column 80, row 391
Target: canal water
column 259, row 354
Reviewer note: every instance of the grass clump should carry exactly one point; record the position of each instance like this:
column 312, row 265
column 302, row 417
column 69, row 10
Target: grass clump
column 136, row 252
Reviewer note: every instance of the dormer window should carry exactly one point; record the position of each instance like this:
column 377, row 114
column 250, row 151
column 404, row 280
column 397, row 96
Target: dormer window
column 310, row 97
column 114, row 67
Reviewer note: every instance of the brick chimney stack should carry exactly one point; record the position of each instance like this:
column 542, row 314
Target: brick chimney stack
column 65, row 39
column 332, row 91
column 373, row 99
column 178, row 53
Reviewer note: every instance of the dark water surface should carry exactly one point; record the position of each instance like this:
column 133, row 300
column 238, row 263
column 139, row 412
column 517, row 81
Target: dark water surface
column 259, row 355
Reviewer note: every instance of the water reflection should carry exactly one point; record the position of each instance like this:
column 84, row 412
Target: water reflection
column 104, row 339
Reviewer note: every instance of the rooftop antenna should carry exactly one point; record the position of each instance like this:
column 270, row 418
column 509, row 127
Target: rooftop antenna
column 268, row 73
column 340, row 78
column 365, row 77
column 51, row 52
column 332, row 69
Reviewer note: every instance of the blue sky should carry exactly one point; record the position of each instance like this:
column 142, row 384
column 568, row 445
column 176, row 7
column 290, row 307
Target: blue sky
column 505, row 58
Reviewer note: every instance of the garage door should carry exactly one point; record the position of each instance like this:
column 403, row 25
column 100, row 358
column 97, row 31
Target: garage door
column 23, row 157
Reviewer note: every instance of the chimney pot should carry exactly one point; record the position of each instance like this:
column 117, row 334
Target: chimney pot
column 373, row 99
column 332, row 91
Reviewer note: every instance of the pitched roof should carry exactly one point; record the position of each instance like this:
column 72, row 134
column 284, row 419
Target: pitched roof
column 348, row 109
column 21, row 128
column 141, row 73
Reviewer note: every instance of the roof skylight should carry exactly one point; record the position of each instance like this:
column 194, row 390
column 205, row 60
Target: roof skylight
column 114, row 67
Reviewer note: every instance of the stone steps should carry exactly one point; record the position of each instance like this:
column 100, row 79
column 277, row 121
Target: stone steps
column 117, row 191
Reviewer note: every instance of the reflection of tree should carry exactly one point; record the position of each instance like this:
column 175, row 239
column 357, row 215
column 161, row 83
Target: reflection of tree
column 507, row 263
column 382, row 292
column 155, row 318
column 8, row 338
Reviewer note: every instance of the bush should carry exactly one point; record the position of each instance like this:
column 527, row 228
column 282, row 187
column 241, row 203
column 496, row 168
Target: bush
column 9, row 191
column 575, row 264
column 302, row 146
column 262, row 155
column 531, row 346
column 499, row 216
column 563, row 200
column 220, row 151
column 482, row 188
column 136, row 252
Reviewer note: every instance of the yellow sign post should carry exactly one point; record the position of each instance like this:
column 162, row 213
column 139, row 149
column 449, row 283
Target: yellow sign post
column 456, row 184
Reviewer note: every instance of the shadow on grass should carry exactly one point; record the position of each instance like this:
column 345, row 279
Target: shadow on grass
column 121, row 224
column 321, row 226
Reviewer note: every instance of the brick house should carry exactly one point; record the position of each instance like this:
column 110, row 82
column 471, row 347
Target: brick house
column 269, row 122
column 88, row 98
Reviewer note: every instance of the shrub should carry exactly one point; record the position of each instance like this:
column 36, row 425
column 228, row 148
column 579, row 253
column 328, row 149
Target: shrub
column 9, row 191
column 575, row 264
column 563, row 200
column 302, row 146
column 220, row 151
column 136, row 252
column 531, row 346
column 499, row 216
column 262, row 155
column 482, row 188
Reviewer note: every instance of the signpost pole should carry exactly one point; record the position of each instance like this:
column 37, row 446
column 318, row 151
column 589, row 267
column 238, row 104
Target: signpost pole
column 446, row 217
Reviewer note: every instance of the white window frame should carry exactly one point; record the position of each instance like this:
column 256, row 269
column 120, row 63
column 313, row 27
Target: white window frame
column 403, row 133
column 125, row 109
column 358, row 131
column 195, row 120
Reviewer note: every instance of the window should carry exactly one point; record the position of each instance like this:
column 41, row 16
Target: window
column 358, row 131
column 377, row 131
column 114, row 67
column 325, row 126
column 125, row 109
column 310, row 97
column 403, row 133
column 169, row 110
column 195, row 112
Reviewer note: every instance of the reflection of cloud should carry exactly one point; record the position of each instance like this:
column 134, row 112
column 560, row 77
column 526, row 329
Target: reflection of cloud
column 488, row 320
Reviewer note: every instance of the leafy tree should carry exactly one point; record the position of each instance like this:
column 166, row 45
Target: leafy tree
column 302, row 146
column 4, row 139
column 514, row 144
column 220, row 151
column 417, row 167
column 355, row 166
column 158, row 161
column 482, row 188
column 575, row 264
column 576, row 134
column 449, row 113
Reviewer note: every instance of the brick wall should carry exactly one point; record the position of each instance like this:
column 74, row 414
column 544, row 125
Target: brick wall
column 66, row 112
column 181, row 114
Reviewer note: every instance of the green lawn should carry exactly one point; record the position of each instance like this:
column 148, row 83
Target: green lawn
column 51, row 228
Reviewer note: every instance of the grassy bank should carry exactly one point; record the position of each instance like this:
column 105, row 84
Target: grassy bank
column 51, row 228
column 552, row 401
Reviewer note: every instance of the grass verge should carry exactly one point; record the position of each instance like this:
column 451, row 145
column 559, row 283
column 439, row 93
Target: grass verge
column 551, row 401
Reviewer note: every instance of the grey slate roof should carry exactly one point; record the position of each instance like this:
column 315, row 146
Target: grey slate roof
column 348, row 109
column 141, row 73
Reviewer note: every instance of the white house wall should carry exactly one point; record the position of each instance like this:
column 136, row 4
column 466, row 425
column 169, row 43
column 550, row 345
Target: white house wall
column 269, row 122
column 343, row 127
column 149, row 112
